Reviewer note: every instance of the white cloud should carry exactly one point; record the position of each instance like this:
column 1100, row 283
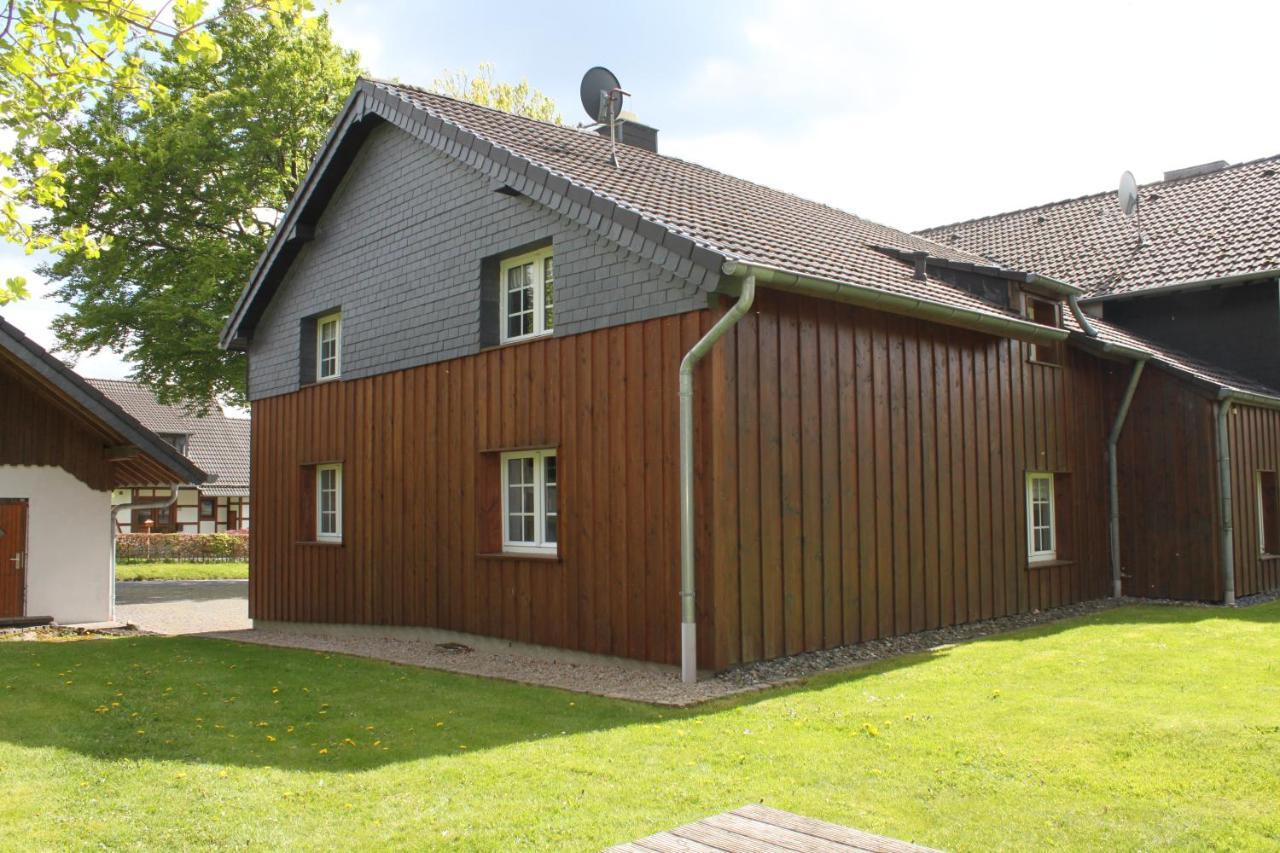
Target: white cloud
column 916, row 115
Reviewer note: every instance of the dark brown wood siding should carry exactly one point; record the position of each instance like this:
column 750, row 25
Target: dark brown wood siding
column 869, row 474
column 35, row 430
column 419, row 490
column 1255, row 446
column 859, row 475
column 1168, row 478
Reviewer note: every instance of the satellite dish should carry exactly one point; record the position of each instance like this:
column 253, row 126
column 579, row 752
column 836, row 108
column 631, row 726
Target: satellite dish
column 1128, row 195
column 601, row 94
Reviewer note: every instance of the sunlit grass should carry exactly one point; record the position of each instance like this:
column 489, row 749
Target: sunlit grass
column 1138, row 728
column 181, row 571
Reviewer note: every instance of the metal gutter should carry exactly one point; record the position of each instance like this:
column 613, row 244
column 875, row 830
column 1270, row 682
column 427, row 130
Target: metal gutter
column 1113, row 484
column 688, row 610
column 1052, row 284
column 1181, row 286
column 1224, row 505
column 869, row 297
column 1248, row 398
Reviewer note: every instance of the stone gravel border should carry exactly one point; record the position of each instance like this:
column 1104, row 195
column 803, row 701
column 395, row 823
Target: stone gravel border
column 619, row 679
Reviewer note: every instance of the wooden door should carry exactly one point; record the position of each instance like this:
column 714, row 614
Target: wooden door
column 13, row 557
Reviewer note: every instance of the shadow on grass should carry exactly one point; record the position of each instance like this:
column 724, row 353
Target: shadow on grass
column 200, row 700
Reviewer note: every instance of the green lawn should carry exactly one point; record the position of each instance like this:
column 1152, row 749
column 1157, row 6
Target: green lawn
column 1138, row 728
column 180, row 571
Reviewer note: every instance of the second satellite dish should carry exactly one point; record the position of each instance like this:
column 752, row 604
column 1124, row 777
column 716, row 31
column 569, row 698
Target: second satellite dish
column 1128, row 196
column 601, row 94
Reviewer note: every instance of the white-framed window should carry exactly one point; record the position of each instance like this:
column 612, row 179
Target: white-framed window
column 329, row 503
column 328, row 347
column 1267, row 521
column 530, row 501
column 528, row 295
column 1042, row 536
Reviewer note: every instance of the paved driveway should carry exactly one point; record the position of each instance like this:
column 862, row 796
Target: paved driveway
column 184, row 607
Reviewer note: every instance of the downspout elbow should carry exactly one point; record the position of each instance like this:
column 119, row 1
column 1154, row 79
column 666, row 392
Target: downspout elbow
column 688, row 603
column 1081, row 318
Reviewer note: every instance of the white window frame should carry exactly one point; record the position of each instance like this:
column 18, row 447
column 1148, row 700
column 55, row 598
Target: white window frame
column 336, row 534
column 336, row 319
column 1041, row 555
column 537, row 259
column 1262, row 516
column 539, row 545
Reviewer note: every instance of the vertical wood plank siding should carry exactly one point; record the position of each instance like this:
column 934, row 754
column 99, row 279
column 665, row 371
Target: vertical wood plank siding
column 859, row 475
column 36, row 431
column 878, row 467
column 412, row 447
column 1167, row 459
column 1255, row 446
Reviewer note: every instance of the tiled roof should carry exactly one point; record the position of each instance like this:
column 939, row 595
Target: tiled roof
column 216, row 443
column 692, row 214
column 732, row 217
column 1217, row 225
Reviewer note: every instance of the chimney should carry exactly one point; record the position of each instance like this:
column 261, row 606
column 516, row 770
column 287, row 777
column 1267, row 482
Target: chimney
column 633, row 133
column 1196, row 171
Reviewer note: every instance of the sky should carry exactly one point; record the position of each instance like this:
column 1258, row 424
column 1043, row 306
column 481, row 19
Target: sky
column 908, row 114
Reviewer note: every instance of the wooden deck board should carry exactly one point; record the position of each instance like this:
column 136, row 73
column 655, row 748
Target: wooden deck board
column 760, row 829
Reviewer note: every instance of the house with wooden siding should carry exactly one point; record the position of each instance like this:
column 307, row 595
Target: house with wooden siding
column 504, row 387
column 215, row 442
column 64, row 447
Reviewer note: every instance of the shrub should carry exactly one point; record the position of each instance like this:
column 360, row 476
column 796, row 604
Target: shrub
column 182, row 547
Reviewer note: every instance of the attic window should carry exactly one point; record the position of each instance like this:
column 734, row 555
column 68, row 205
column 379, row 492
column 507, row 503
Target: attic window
column 528, row 295
column 1046, row 313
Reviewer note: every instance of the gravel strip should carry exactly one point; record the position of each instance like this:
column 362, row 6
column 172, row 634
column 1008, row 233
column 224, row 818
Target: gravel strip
column 660, row 685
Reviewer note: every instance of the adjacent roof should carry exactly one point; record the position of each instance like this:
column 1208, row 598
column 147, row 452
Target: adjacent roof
column 215, row 442
column 1220, row 225
column 685, row 217
column 153, row 462
column 1223, row 382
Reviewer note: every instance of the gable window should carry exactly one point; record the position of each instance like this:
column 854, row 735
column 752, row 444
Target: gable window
column 1046, row 313
column 530, row 501
column 1268, row 532
column 528, row 295
column 328, row 347
column 1042, row 534
column 329, row 503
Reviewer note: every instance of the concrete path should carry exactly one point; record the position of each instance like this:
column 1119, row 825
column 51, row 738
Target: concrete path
column 184, row 607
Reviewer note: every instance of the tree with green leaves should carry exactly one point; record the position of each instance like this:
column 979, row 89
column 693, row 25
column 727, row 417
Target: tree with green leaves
column 518, row 98
column 58, row 58
column 181, row 193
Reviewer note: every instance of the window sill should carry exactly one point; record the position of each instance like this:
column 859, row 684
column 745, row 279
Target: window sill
column 1052, row 364
column 1048, row 564
column 315, row 383
column 1266, row 557
column 523, row 339
column 548, row 557
column 323, row 543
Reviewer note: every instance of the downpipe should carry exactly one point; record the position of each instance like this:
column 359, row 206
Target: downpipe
column 1113, row 486
column 115, row 511
column 1224, row 505
column 688, row 609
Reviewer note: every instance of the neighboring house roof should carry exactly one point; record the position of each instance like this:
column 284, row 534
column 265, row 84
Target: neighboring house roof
column 1220, row 225
column 1224, row 382
column 153, row 462
column 684, row 217
column 217, row 443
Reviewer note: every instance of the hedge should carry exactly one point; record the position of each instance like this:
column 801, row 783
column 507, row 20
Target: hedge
column 182, row 547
